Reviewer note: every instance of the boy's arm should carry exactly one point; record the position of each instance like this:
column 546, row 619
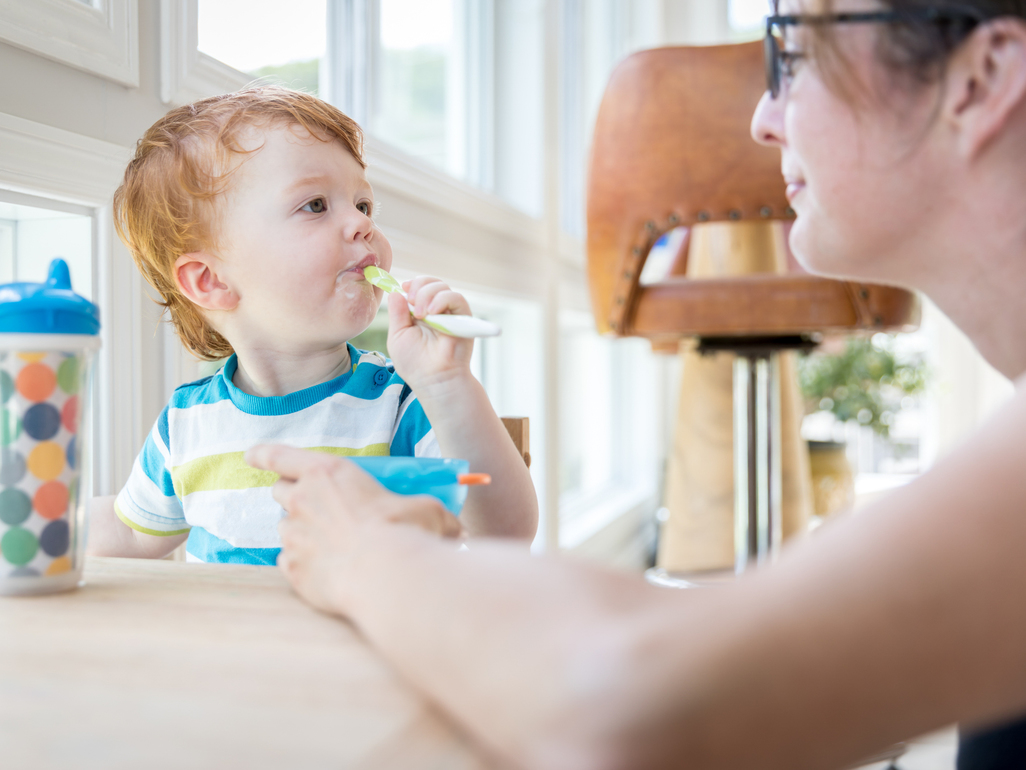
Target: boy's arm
column 466, row 426
column 437, row 368
column 110, row 536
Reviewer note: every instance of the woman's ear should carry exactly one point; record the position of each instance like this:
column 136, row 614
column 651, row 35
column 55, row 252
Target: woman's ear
column 987, row 84
column 197, row 277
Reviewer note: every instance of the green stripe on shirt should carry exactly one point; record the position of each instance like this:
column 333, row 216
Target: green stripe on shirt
column 230, row 471
column 138, row 528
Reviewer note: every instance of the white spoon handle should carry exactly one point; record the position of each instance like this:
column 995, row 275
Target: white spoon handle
column 464, row 326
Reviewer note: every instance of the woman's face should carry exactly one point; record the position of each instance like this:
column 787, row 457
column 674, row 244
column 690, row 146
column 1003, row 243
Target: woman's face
column 863, row 173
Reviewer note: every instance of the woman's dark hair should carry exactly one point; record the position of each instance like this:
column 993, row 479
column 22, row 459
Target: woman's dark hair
column 919, row 48
column 916, row 48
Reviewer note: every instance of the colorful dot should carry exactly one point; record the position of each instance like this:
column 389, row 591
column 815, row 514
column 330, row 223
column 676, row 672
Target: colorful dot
column 12, row 467
column 67, row 376
column 36, row 382
column 6, row 387
column 32, row 358
column 24, row 572
column 10, row 426
column 59, row 566
column 54, row 538
column 15, row 506
column 46, row 461
column 69, row 415
column 72, row 459
column 19, row 546
column 42, row 421
column 50, row 500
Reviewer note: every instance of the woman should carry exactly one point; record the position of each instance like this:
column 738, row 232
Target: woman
column 903, row 138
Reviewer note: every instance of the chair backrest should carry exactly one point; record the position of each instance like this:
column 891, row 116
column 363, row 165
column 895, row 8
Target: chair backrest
column 672, row 148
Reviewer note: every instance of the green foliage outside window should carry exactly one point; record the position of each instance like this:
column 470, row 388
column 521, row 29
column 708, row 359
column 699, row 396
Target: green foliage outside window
column 298, row 75
column 866, row 382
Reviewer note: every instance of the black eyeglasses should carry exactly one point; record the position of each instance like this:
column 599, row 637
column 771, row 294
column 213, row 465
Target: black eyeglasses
column 779, row 61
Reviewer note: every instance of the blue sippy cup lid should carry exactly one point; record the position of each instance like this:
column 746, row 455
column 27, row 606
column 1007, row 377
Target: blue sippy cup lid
column 47, row 308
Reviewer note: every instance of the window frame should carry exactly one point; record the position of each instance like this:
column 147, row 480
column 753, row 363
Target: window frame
column 186, row 73
column 45, row 163
column 101, row 38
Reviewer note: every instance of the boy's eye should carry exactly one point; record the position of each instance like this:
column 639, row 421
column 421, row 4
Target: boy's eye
column 316, row 206
column 365, row 208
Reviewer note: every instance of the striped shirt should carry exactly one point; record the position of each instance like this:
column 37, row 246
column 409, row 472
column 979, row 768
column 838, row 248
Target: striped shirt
column 190, row 475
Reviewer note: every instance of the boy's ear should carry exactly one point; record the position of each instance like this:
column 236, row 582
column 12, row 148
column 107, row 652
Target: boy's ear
column 197, row 277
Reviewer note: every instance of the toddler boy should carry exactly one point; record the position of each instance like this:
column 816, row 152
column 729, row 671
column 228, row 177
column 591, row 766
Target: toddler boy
column 251, row 215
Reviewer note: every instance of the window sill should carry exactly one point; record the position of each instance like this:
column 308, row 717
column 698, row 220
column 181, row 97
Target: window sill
column 603, row 524
column 402, row 175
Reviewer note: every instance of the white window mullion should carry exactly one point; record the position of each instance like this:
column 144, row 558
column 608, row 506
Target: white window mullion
column 478, row 50
column 346, row 70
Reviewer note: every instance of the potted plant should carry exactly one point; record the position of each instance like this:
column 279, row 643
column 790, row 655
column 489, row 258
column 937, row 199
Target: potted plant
column 864, row 381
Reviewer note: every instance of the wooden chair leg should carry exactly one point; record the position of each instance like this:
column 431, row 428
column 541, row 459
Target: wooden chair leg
column 519, row 430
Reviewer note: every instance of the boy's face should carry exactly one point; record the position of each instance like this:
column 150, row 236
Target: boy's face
column 294, row 235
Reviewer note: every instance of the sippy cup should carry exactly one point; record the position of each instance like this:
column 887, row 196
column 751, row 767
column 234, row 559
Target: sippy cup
column 48, row 338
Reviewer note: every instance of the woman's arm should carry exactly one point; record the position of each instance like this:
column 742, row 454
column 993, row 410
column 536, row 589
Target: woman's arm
column 897, row 620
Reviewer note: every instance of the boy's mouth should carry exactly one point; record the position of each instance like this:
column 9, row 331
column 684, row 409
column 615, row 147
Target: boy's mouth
column 368, row 261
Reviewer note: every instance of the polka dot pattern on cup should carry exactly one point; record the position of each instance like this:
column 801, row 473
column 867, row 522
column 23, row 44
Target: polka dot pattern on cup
column 15, row 506
column 54, row 538
column 36, row 382
column 19, row 546
column 46, row 461
column 42, row 421
column 40, row 412
column 51, row 500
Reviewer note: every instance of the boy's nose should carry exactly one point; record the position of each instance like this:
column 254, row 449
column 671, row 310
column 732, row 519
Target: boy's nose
column 358, row 227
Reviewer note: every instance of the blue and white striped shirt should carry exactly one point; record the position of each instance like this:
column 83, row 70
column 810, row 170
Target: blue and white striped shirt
column 190, row 475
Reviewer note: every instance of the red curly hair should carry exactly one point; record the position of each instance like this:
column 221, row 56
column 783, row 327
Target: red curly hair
column 165, row 207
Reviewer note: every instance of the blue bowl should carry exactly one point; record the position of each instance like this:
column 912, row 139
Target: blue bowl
column 433, row 476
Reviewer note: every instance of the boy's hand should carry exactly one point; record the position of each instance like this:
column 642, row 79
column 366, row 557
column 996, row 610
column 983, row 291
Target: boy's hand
column 424, row 357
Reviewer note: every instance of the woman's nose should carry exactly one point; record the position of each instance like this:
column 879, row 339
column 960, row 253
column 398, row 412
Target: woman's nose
column 768, row 121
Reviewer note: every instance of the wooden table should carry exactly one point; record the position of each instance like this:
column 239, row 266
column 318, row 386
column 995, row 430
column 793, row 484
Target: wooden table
column 159, row 664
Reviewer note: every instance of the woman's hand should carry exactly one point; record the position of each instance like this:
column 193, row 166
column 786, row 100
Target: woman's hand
column 330, row 502
column 423, row 356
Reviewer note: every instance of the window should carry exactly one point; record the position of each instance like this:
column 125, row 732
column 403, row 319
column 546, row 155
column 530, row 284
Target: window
column 747, row 17
column 417, row 77
column 278, row 42
column 31, row 236
column 594, row 39
column 35, row 230
column 587, row 401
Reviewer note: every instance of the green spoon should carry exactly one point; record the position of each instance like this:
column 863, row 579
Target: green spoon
column 465, row 326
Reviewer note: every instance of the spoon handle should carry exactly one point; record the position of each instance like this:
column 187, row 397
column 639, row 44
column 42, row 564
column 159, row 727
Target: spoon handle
column 464, row 326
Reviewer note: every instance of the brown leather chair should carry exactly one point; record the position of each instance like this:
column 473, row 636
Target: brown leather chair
column 672, row 148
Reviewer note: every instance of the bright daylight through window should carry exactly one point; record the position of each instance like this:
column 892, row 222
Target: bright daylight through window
column 30, row 237
column 280, row 42
column 416, row 81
